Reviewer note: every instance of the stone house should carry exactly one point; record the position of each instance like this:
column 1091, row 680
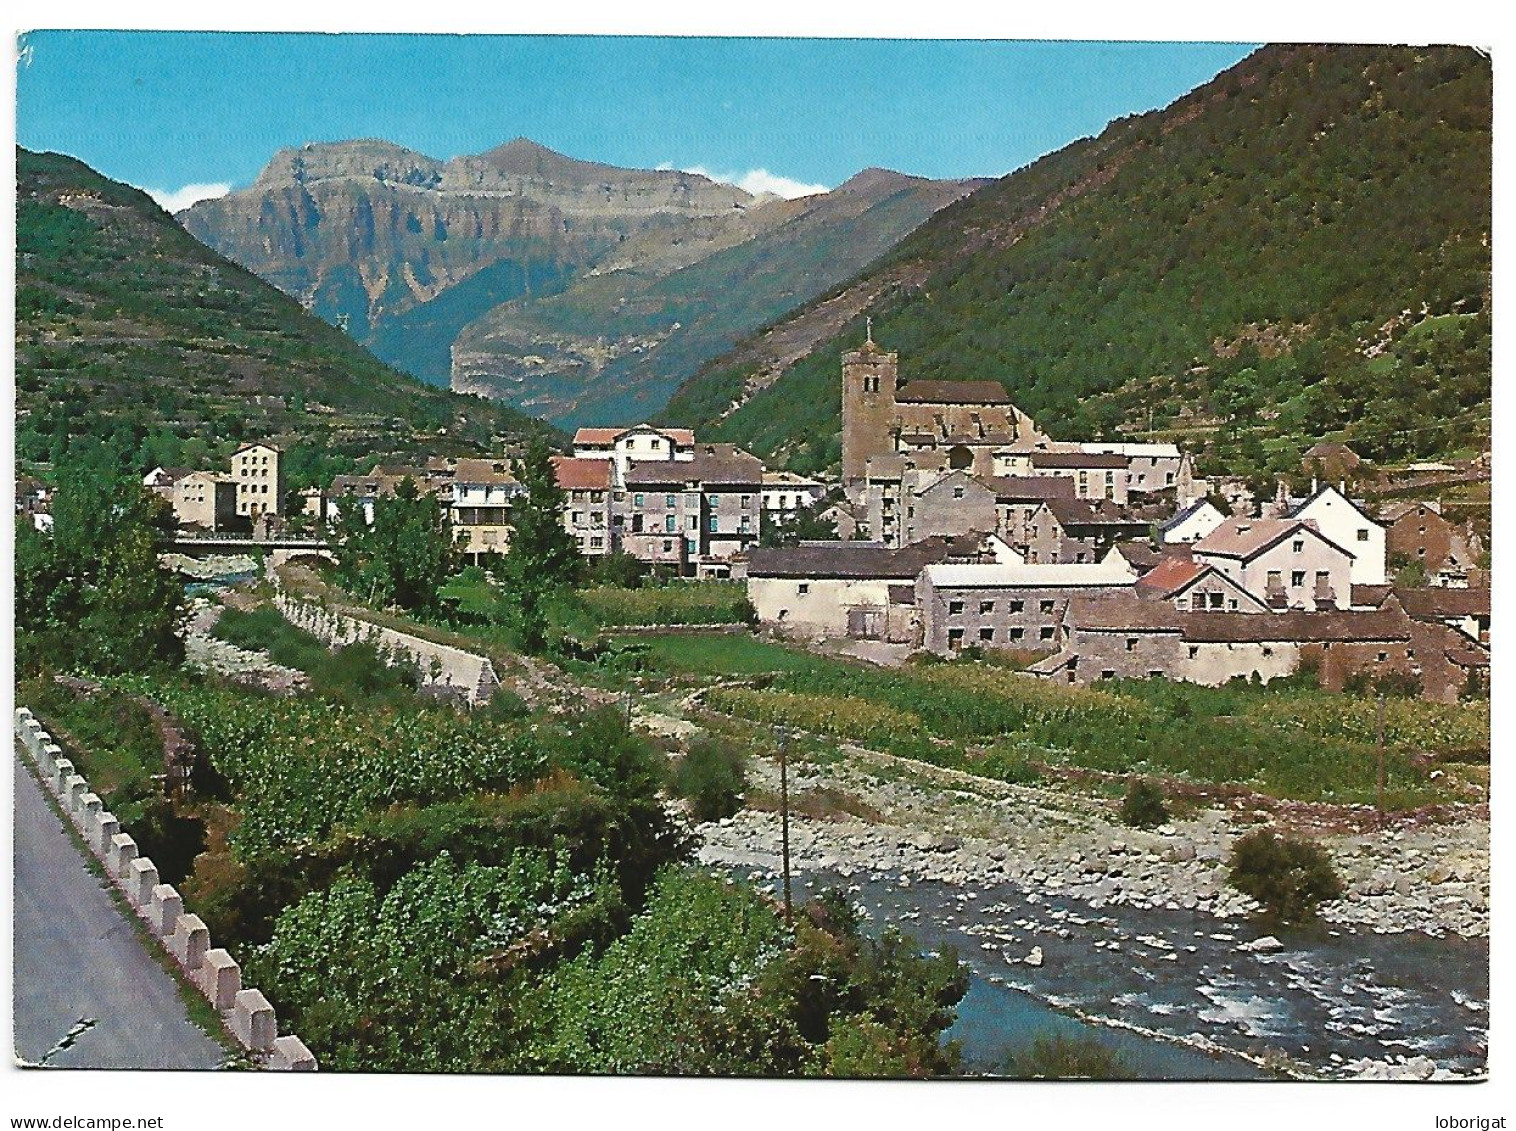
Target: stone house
column 1417, row 532
column 1346, row 523
column 1151, row 468
column 864, row 590
column 1331, row 461
column 586, row 487
column 1075, row 531
column 1287, row 562
column 1134, row 637
column 1017, row 605
column 260, row 484
column 1096, row 475
column 697, row 515
column 204, row 500
column 786, row 494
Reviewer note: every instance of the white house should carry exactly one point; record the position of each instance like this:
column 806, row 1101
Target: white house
column 1191, row 524
column 1346, row 524
column 1288, row 562
column 642, row 443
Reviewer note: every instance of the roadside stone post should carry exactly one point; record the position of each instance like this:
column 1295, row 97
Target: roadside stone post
column 123, row 851
column 221, row 979
column 143, row 878
column 106, row 828
column 63, row 769
column 191, row 940
column 253, row 1020
column 166, row 907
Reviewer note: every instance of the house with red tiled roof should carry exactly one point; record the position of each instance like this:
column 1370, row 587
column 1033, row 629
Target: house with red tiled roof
column 1287, row 562
column 1194, row 586
column 586, row 486
column 641, row 443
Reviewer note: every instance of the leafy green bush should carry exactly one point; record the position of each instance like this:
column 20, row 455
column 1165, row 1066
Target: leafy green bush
column 1290, row 876
column 1068, row 1058
column 1143, row 806
column 712, row 777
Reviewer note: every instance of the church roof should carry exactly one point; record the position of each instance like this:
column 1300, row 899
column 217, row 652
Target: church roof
column 953, row 392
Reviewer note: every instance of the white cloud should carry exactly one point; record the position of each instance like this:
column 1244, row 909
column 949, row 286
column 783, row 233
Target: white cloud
column 758, row 181
column 176, row 200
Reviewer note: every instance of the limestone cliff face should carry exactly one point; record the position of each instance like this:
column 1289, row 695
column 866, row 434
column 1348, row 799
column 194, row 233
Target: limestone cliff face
column 561, row 286
column 363, row 231
column 615, row 344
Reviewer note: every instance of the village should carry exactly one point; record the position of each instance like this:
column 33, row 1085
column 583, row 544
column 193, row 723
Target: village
column 962, row 528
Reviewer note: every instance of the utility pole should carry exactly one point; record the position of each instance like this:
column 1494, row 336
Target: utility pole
column 1379, row 741
column 784, row 823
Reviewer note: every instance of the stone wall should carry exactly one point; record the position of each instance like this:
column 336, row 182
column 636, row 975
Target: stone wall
column 246, row 1012
column 440, row 666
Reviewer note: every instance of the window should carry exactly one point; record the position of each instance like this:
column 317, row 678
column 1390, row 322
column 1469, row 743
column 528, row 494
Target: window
column 1216, row 599
column 1382, row 657
column 746, row 501
column 1298, row 545
column 670, row 523
column 597, row 543
column 670, row 501
column 955, row 638
column 1131, row 644
column 954, row 608
column 1268, row 651
column 1079, row 557
column 1363, row 534
column 1155, row 674
column 1108, row 674
column 1017, row 606
column 1232, row 604
column 1276, row 579
column 715, row 525
column 1046, row 632
column 803, row 588
column 1045, row 606
column 1017, row 633
column 1297, row 577
column 1197, row 602
column 692, row 522
column 986, row 634
column 578, row 517
column 986, row 606
column 1194, row 651
column 958, row 492
column 668, row 547
column 714, row 500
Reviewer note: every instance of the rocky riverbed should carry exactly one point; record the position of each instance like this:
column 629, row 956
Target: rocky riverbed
column 212, row 654
column 1044, row 892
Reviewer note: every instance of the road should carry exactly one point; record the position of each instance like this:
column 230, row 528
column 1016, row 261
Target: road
column 83, row 978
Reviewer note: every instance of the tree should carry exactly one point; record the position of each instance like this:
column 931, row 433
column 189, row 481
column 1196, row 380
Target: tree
column 405, row 556
column 543, row 556
column 91, row 593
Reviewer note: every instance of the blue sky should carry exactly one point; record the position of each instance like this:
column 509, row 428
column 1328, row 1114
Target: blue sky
column 166, row 110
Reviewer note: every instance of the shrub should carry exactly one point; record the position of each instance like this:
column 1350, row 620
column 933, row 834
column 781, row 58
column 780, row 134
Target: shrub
column 711, row 777
column 1143, row 806
column 1290, row 876
column 1069, row 1058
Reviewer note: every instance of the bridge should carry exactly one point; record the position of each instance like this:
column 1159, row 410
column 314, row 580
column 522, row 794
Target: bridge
column 233, row 542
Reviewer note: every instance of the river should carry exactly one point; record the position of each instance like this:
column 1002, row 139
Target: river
column 1176, row 994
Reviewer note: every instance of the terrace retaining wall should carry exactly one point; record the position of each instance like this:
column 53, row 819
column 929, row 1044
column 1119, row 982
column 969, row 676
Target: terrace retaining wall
column 440, row 666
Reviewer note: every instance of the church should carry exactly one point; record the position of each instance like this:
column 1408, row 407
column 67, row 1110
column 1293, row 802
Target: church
column 929, row 425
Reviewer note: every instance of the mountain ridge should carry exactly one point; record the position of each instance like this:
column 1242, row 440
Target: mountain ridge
column 438, row 265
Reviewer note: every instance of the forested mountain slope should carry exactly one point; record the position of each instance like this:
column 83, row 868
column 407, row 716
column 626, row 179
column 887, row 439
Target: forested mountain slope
column 1298, row 248
column 130, row 330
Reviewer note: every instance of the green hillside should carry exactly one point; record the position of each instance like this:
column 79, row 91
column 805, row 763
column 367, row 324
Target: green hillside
column 130, row 331
column 1299, row 248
